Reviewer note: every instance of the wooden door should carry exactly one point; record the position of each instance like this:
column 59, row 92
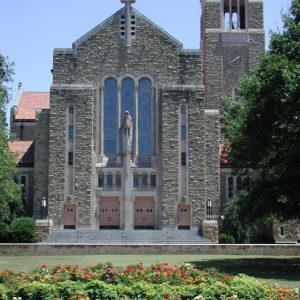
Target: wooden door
column 109, row 215
column 184, row 216
column 144, row 213
column 69, row 216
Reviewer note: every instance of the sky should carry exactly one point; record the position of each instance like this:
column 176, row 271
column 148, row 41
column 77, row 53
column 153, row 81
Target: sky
column 31, row 29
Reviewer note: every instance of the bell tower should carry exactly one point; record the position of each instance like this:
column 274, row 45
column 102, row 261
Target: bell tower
column 232, row 39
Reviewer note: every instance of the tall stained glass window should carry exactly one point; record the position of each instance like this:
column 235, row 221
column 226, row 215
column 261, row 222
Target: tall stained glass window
column 145, row 115
column 127, row 102
column 127, row 97
column 110, row 116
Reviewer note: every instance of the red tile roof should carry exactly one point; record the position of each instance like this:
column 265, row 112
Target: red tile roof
column 29, row 103
column 223, row 155
column 23, row 151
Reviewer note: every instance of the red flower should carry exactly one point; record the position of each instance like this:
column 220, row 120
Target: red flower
column 44, row 266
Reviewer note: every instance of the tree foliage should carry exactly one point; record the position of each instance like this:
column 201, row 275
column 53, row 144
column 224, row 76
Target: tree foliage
column 10, row 193
column 263, row 130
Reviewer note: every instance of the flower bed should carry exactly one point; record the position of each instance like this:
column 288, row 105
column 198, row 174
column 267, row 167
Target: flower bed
column 161, row 281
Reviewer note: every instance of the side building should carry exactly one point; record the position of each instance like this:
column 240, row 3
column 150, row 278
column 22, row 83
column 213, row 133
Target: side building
column 29, row 135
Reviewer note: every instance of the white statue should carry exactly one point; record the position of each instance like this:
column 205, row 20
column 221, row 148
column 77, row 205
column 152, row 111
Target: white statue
column 127, row 129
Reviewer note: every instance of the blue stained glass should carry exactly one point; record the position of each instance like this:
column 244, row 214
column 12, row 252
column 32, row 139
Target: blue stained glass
column 145, row 115
column 127, row 97
column 127, row 102
column 110, row 116
column 183, row 133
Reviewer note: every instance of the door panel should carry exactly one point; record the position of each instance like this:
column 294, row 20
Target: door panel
column 144, row 213
column 69, row 216
column 109, row 214
column 184, row 216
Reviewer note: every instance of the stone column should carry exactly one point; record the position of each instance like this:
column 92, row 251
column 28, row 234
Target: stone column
column 101, row 122
column 118, row 147
column 211, row 231
column 136, row 125
column 128, row 203
column 43, row 229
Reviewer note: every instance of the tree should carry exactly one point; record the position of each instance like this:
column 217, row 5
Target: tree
column 263, row 130
column 10, row 192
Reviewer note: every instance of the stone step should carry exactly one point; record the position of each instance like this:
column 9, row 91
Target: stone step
column 85, row 236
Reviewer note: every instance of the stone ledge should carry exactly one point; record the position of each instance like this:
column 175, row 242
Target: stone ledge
column 211, row 249
column 71, row 87
column 63, row 51
column 211, row 112
column 182, row 87
column 43, row 222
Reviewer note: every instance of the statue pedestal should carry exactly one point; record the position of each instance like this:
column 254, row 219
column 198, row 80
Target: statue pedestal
column 128, row 202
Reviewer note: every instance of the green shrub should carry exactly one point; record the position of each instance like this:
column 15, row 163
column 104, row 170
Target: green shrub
column 4, row 232
column 37, row 291
column 4, row 293
column 22, row 230
column 96, row 289
column 69, row 289
column 247, row 288
column 225, row 238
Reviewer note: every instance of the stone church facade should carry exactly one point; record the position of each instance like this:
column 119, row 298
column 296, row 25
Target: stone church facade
column 132, row 137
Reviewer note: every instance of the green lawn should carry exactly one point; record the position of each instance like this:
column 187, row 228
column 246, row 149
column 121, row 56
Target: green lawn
column 282, row 270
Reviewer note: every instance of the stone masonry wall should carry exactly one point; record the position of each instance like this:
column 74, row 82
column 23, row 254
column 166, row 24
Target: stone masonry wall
column 41, row 161
column 212, row 142
column 196, row 159
column 82, row 97
column 256, row 14
column 170, row 156
column 228, row 56
column 291, row 230
column 152, row 52
column 172, row 98
column 101, row 52
column 210, row 231
column 212, row 14
column 256, row 48
column 213, row 73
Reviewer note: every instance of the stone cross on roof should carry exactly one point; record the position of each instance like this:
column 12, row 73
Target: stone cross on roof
column 127, row 20
column 127, row 2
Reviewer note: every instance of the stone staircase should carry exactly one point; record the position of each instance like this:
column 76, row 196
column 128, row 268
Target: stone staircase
column 109, row 237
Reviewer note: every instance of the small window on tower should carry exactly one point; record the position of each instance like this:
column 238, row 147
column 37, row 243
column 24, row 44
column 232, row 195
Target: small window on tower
column 70, row 158
column 234, row 14
column 183, row 133
column 183, row 158
column 282, row 231
column 230, row 187
column 71, row 133
column 122, row 26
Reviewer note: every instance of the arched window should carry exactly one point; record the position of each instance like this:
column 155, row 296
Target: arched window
column 145, row 115
column 127, row 102
column 136, row 97
column 127, row 97
column 110, row 116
